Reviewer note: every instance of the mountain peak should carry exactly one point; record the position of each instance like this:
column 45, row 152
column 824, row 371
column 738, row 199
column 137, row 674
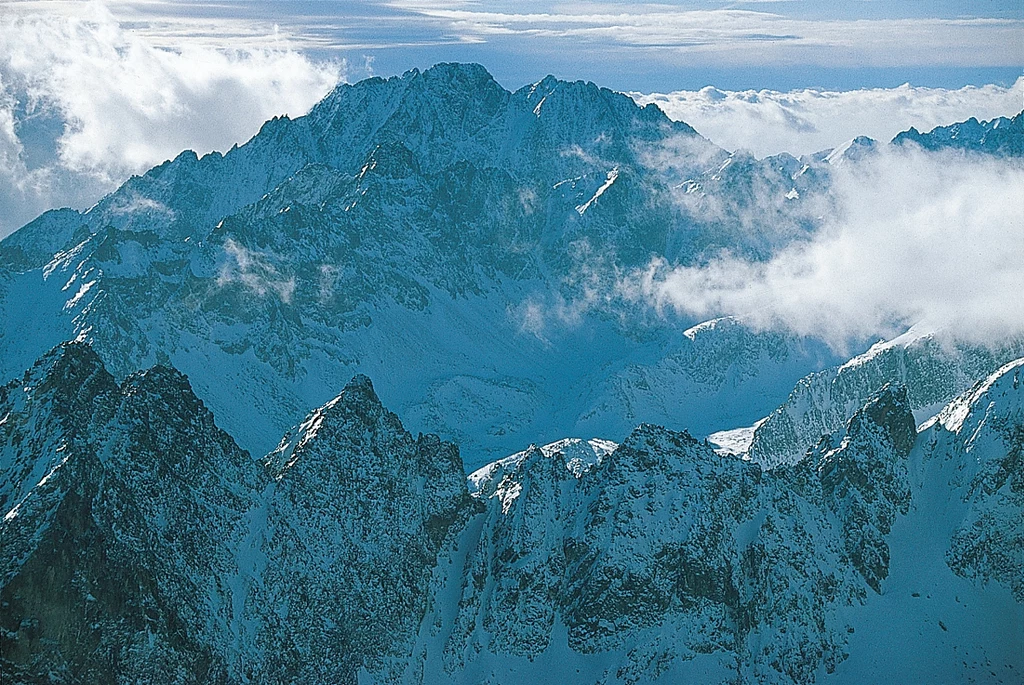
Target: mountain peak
column 160, row 378
column 352, row 424
column 888, row 409
column 71, row 369
column 999, row 136
column 974, row 405
column 360, row 389
column 461, row 71
column 70, row 353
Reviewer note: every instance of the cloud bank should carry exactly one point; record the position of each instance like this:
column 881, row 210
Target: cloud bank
column 767, row 122
column 84, row 103
column 919, row 238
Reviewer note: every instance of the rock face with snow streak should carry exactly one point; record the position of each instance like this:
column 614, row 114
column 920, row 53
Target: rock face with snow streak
column 140, row 544
column 1000, row 136
column 864, row 479
column 677, row 559
column 354, row 522
column 984, row 431
column 666, row 561
column 122, row 507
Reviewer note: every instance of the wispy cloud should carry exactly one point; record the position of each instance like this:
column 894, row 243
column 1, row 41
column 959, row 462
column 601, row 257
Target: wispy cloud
column 803, row 121
column 255, row 271
column 918, row 237
column 84, row 103
column 732, row 36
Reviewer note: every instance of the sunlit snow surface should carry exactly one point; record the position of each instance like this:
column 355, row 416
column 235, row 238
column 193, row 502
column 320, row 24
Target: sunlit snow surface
column 579, row 456
column 735, row 441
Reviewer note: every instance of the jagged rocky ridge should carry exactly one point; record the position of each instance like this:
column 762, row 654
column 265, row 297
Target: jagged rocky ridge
column 1000, row 136
column 933, row 370
column 140, row 544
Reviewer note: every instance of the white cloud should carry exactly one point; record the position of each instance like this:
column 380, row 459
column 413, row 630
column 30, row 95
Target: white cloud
column 931, row 238
column 767, row 122
column 255, row 271
column 751, row 38
column 84, row 103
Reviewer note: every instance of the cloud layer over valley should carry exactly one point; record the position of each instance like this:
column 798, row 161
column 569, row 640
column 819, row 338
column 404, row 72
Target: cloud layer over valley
column 767, row 122
column 918, row 238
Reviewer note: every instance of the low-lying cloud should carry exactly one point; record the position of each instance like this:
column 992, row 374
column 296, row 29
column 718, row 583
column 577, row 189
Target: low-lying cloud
column 767, row 122
column 84, row 103
column 255, row 271
column 924, row 238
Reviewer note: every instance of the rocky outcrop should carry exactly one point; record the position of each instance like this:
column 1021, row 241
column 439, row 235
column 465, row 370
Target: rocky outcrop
column 140, row 544
column 122, row 505
column 354, row 522
column 1001, row 136
column 864, row 479
column 984, row 432
column 665, row 560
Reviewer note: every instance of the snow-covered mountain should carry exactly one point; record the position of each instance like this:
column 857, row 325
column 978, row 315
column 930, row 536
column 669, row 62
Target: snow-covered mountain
column 466, row 247
column 140, row 543
column 933, row 370
column 457, row 242
column 124, row 512
column 1001, row 136
column 460, row 244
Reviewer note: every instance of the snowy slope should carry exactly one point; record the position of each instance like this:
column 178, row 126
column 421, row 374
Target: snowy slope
column 122, row 509
column 140, row 544
column 668, row 562
column 1000, row 136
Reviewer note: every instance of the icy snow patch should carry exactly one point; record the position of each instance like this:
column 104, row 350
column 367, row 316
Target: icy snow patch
column 734, row 442
column 612, row 175
column 580, row 455
column 916, row 332
column 953, row 416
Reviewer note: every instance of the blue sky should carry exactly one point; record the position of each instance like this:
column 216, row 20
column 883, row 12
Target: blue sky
column 622, row 45
column 632, row 46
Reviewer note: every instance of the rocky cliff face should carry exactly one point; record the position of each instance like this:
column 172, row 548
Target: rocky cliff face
column 141, row 545
column 1000, row 136
column 122, row 504
column 933, row 371
column 354, row 521
column 665, row 561
column 674, row 558
column 982, row 431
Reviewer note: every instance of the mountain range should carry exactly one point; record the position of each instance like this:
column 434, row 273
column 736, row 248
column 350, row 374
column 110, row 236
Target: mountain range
column 746, row 506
